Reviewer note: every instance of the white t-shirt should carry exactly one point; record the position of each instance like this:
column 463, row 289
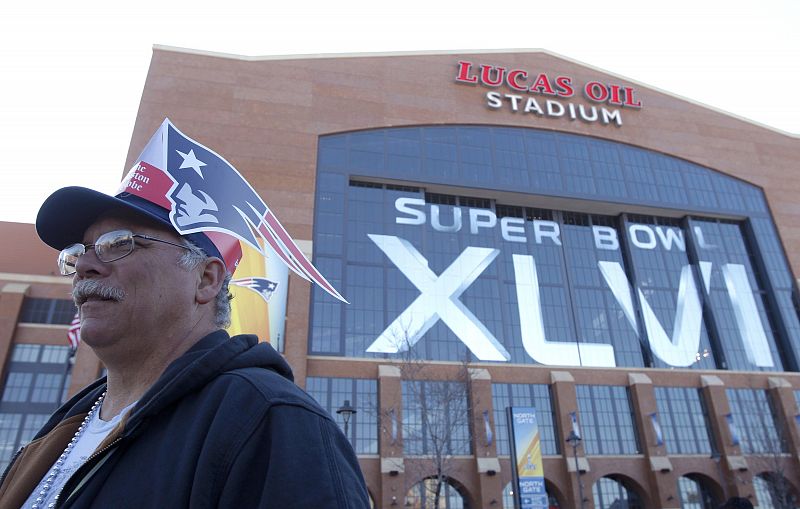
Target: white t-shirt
column 96, row 431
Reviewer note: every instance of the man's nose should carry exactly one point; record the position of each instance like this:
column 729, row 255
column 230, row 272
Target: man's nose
column 89, row 265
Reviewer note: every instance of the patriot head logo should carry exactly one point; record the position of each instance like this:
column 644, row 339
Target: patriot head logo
column 262, row 286
column 205, row 193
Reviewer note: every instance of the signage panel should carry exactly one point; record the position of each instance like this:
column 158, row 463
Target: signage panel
column 439, row 298
column 526, row 457
column 259, row 296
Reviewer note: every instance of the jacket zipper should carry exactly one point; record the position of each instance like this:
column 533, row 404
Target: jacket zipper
column 94, row 456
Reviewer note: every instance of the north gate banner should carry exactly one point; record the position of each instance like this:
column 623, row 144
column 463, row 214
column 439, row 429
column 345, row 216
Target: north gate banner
column 526, row 456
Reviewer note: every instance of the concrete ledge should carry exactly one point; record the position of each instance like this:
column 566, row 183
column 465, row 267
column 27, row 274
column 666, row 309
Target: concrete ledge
column 388, row 371
column 561, row 376
column 306, row 246
column 15, row 288
column 779, row 383
column 638, row 378
column 736, row 463
column 660, row 464
column 389, row 465
column 487, row 464
column 583, row 464
column 479, row 374
column 711, row 381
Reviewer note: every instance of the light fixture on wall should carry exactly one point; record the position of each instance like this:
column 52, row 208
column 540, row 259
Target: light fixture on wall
column 574, row 440
column 346, row 411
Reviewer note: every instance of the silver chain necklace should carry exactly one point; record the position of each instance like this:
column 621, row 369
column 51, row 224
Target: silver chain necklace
column 51, row 477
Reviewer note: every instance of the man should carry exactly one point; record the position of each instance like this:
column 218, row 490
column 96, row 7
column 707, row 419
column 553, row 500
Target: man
column 187, row 417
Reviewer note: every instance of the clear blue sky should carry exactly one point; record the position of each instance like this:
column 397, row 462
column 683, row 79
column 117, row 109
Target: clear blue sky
column 73, row 73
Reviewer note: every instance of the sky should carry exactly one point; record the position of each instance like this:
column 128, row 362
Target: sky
column 73, row 72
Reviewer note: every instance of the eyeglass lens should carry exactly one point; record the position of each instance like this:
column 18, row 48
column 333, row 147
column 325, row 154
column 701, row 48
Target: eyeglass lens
column 109, row 247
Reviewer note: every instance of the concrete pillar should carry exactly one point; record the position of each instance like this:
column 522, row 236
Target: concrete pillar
column 12, row 296
column 660, row 476
column 490, row 484
column 736, row 479
column 566, row 401
column 392, row 490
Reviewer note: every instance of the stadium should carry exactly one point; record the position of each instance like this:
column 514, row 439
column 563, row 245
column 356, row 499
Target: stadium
column 511, row 229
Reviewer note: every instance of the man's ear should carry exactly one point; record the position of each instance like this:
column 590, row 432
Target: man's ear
column 211, row 280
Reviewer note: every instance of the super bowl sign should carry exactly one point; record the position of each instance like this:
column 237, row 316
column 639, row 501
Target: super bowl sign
column 542, row 95
column 675, row 341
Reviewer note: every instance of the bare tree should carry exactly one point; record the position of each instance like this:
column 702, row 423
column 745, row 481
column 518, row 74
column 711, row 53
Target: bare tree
column 436, row 419
column 765, row 442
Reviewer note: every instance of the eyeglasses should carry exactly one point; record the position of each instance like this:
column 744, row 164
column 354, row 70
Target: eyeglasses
column 109, row 247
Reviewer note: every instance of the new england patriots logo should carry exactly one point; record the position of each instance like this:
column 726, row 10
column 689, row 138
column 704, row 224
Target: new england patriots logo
column 209, row 194
column 262, row 286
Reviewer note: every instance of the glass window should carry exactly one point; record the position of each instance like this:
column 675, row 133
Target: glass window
column 362, row 394
column 436, row 418
column 611, row 494
column 534, row 395
column 754, row 421
column 684, row 420
column 423, row 495
column 18, row 387
column 55, row 311
column 774, row 491
column 668, row 294
column 606, row 420
column 625, row 290
column 26, row 353
column 10, row 424
column 36, row 384
column 694, row 494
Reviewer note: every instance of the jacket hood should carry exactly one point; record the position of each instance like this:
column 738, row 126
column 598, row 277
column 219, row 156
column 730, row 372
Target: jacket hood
column 214, row 354
column 209, row 357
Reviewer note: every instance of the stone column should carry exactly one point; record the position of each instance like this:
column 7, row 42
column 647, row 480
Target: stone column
column 11, row 297
column 736, row 479
column 393, row 480
column 566, row 401
column 487, row 464
column 643, row 400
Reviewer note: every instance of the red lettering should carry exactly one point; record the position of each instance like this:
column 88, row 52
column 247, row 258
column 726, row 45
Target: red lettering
column 542, row 85
column 615, row 97
column 596, row 91
column 463, row 72
column 564, row 85
column 486, row 75
column 629, row 101
column 511, row 79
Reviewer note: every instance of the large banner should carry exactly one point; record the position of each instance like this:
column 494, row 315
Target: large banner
column 526, row 456
column 259, row 296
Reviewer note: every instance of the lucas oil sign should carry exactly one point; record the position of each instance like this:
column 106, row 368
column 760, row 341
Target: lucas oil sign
column 540, row 94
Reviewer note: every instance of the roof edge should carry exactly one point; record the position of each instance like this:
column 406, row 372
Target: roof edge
column 311, row 56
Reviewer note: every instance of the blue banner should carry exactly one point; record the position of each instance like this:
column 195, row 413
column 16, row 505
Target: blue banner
column 526, row 456
column 657, row 429
column 732, row 429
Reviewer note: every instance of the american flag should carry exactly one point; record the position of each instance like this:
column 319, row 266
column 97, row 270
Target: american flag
column 74, row 332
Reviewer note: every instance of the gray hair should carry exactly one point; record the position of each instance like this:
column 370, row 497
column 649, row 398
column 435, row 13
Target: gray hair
column 190, row 260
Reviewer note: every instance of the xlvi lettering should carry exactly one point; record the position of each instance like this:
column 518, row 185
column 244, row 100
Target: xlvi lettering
column 439, row 300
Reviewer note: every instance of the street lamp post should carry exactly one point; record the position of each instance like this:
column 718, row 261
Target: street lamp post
column 574, row 440
column 346, row 411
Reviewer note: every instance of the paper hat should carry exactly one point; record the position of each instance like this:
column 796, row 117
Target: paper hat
column 180, row 182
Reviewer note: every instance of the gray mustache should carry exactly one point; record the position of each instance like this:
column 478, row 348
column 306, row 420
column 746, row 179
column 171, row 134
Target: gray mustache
column 89, row 288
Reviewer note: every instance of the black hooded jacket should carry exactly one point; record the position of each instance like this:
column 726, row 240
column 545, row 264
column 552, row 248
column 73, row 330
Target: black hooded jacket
column 223, row 427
